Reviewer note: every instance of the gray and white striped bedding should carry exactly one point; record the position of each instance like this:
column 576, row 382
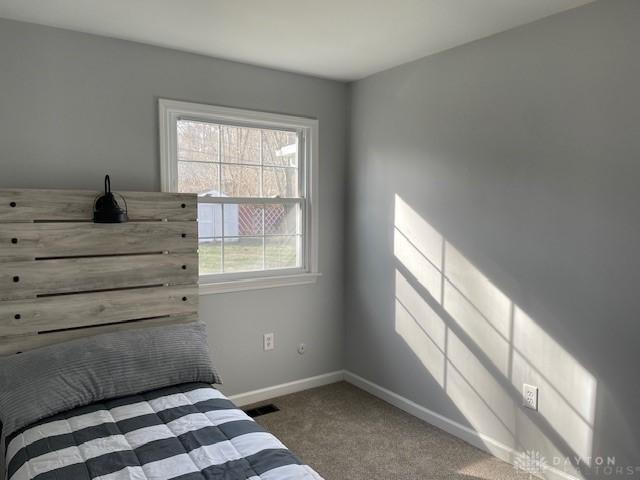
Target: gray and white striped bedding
column 187, row 432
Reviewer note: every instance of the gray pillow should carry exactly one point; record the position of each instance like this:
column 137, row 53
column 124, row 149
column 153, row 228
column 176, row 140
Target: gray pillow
column 49, row 380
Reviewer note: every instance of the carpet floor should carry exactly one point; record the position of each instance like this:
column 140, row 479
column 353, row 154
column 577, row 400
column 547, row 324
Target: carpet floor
column 345, row 433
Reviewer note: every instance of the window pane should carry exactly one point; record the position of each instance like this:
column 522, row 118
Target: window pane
column 281, row 252
column 280, row 148
column 197, row 141
column 240, row 181
column 247, row 217
column 280, row 182
column 240, row 144
column 196, row 177
column 281, row 219
column 242, row 254
column 210, row 255
column 209, row 220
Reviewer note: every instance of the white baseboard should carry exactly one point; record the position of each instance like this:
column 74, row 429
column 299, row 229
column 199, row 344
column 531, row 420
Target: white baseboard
column 286, row 388
column 479, row 440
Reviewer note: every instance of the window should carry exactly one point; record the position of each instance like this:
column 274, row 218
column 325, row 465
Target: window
column 254, row 176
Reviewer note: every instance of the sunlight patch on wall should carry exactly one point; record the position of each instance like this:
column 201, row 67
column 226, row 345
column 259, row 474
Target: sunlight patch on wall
column 492, row 343
column 478, row 291
column 475, row 391
column 426, row 239
column 425, row 272
column 485, row 347
column 421, row 328
column 569, row 389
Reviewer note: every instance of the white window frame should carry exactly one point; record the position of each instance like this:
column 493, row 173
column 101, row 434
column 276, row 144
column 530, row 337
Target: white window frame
column 170, row 111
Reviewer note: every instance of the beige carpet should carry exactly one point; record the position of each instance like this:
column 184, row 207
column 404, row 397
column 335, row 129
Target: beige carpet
column 345, row 433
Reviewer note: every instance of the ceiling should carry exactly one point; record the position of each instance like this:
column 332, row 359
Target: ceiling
column 339, row 39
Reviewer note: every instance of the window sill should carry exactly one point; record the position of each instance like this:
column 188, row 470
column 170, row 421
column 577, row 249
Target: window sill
column 258, row 283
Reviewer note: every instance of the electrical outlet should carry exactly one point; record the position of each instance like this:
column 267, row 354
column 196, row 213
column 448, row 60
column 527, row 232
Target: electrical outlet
column 530, row 396
column 268, row 341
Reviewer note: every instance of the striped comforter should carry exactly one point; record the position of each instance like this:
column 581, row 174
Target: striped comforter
column 186, row 432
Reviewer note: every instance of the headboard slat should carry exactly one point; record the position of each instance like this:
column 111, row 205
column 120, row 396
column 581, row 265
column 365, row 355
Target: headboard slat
column 21, row 280
column 44, row 240
column 77, row 205
column 22, row 343
column 84, row 309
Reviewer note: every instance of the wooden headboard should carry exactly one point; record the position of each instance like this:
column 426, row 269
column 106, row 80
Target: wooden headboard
column 63, row 276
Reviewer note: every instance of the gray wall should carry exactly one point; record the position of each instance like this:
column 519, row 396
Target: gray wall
column 491, row 226
column 510, row 168
column 74, row 107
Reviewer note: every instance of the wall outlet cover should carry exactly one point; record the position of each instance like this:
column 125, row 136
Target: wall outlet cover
column 268, row 341
column 530, row 396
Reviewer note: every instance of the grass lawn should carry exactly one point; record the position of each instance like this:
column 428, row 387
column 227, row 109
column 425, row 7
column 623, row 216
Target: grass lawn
column 245, row 254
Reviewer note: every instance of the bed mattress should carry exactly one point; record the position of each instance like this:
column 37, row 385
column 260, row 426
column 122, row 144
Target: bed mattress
column 187, row 432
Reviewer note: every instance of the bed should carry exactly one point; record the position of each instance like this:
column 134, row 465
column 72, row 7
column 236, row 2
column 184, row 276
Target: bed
column 104, row 367
column 187, row 431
